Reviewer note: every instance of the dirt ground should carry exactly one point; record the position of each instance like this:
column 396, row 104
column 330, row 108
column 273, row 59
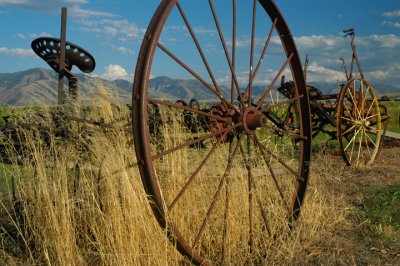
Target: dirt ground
column 350, row 241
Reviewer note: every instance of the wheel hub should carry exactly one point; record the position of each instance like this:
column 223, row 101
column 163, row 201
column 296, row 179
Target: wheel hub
column 252, row 120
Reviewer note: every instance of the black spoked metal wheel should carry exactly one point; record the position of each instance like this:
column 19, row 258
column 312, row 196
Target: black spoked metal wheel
column 359, row 124
column 226, row 201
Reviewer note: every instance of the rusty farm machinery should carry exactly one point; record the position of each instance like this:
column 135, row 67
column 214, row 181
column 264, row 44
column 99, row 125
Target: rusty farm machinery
column 231, row 174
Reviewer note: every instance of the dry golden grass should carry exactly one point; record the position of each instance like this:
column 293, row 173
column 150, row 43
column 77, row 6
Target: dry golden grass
column 81, row 203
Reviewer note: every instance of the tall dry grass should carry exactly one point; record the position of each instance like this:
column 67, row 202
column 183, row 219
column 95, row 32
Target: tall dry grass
column 78, row 201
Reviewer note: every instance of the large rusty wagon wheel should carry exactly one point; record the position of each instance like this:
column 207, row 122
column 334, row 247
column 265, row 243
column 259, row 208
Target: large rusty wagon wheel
column 230, row 200
column 359, row 123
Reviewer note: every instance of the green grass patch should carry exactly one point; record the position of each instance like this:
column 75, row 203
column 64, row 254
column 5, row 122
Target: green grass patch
column 382, row 209
column 393, row 109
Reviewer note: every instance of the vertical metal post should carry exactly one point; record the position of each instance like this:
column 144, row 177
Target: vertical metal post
column 61, row 92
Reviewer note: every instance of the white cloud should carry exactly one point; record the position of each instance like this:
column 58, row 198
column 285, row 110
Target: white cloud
column 113, row 72
column 391, row 24
column 77, row 12
column 317, row 73
column 120, row 28
column 377, row 53
column 392, row 14
column 53, row 6
column 378, row 74
column 110, row 30
column 123, row 50
column 197, row 30
column 17, row 52
column 324, row 42
column 384, row 41
column 12, row 2
column 202, row 30
column 20, row 36
column 41, row 34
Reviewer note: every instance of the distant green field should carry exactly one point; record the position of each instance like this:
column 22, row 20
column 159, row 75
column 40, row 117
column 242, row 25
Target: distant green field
column 393, row 109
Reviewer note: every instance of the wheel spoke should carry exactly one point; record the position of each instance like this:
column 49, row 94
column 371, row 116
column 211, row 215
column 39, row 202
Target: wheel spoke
column 286, row 132
column 348, row 119
column 349, row 111
column 264, row 94
column 352, row 150
column 196, row 140
column 194, row 175
column 355, row 103
column 226, row 213
column 350, row 129
column 286, row 205
column 217, row 193
column 262, row 210
column 282, row 103
column 366, row 142
column 260, row 60
column 370, row 108
column 225, row 48
column 194, row 74
column 372, row 116
column 250, row 194
column 359, row 149
column 198, row 46
column 233, row 51
column 366, row 134
column 353, row 138
column 265, row 150
column 187, row 108
column 264, row 216
column 253, row 31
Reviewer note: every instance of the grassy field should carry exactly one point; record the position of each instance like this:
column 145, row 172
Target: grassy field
column 82, row 202
column 393, row 109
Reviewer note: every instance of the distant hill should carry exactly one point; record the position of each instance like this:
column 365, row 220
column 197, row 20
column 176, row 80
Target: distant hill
column 39, row 86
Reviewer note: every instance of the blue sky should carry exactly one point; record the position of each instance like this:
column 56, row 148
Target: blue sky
column 112, row 31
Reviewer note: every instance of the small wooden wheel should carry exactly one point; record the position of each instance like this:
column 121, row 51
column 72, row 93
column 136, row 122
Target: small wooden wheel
column 359, row 125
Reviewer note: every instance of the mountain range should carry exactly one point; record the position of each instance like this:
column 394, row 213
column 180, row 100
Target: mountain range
column 39, row 86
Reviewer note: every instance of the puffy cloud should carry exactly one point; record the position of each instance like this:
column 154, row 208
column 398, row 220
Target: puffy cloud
column 391, row 24
column 53, row 6
column 323, row 42
column 395, row 13
column 17, row 52
column 123, row 50
column 318, row 73
column 384, row 41
column 42, row 34
column 76, row 11
column 110, row 31
column 122, row 28
column 202, row 30
column 113, row 72
column 20, row 36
